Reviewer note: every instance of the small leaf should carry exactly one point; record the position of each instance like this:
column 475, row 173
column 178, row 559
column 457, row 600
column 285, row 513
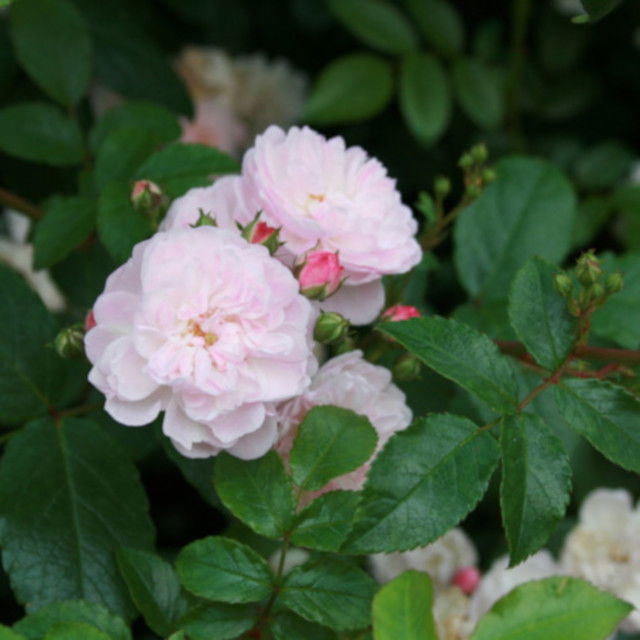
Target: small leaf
column 376, row 23
column 552, row 609
column 325, row 523
column 442, row 459
column 539, row 314
column 402, row 609
column 225, row 570
column 40, row 132
column 329, row 591
column 154, row 588
column 441, row 25
column 330, row 442
column 8, row 634
column 461, row 354
column 120, row 226
column 509, row 223
column 75, row 631
column 67, row 224
column 424, row 96
column 480, row 92
column 288, row 626
column 52, row 43
column 536, row 480
column 35, row 625
column 365, row 78
column 607, row 415
column 218, row 620
column 258, row 492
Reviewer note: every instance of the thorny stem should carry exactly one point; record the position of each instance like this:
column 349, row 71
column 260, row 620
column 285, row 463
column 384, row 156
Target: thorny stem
column 511, row 347
column 13, row 201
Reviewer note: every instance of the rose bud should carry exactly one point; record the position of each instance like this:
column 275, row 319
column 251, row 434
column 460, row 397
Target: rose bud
column 330, row 328
column 259, row 232
column 89, row 321
column 69, row 342
column 145, row 196
column 467, row 579
column 320, row 275
column 400, row 312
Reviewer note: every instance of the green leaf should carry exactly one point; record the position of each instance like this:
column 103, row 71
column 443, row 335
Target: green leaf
column 122, row 151
column 68, row 498
column 75, row 631
column 218, row 620
column 480, row 92
column 288, row 626
column 123, row 49
column 604, row 164
column 258, row 492
column 52, row 43
column 441, row 25
column 330, row 442
column 161, row 123
column 40, row 132
column 120, row 226
column 7, row 634
column 154, row 588
column 599, row 8
column 329, row 591
column 178, row 166
column 536, row 480
column 539, row 314
column 461, row 354
column 35, row 625
column 424, row 96
column 607, row 415
column 529, row 210
column 553, row 609
column 617, row 320
column 402, row 609
column 225, row 570
column 325, row 523
column 376, row 23
column 33, row 377
column 365, row 78
column 442, row 459
column 66, row 225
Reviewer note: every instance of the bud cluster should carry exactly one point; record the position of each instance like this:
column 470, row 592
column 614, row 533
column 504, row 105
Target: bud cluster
column 476, row 174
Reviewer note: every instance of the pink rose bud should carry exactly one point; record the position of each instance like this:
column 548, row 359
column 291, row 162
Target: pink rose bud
column 89, row 321
column 400, row 312
column 320, row 275
column 261, row 232
column 467, row 579
column 257, row 232
column 146, row 196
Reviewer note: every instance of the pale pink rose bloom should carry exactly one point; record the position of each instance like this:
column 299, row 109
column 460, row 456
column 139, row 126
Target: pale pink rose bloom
column 209, row 328
column 320, row 274
column 327, row 196
column 348, row 381
column 400, row 312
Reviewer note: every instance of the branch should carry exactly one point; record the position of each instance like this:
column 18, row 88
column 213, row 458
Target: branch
column 14, row 201
column 517, row 349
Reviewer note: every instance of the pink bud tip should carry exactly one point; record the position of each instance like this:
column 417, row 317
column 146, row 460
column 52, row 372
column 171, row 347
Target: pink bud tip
column 140, row 186
column 467, row 579
column 89, row 321
column 261, row 232
column 320, row 274
column 400, row 312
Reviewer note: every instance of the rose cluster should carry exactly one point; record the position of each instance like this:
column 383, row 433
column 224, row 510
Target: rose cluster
column 211, row 320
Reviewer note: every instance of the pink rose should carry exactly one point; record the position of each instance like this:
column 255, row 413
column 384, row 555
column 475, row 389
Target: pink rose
column 351, row 382
column 320, row 275
column 209, row 328
column 399, row 312
column 337, row 199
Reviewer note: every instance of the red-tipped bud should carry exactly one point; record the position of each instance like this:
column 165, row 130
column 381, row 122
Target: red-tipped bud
column 145, row 196
column 320, row 275
column 258, row 232
column 467, row 579
column 400, row 312
column 89, row 321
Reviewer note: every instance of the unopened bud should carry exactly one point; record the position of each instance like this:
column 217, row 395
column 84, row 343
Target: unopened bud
column 615, row 282
column 426, row 207
column 400, row 312
column 442, row 186
column 466, row 579
column 320, row 274
column 596, row 291
column 473, row 190
column 204, row 220
column 146, row 196
column 89, row 321
column 489, row 175
column 407, row 368
column 330, row 328
column 563, row 284
column 69, row 342
column 345, row 345
column 479, row 153
column 588, row 268
column 466, row 161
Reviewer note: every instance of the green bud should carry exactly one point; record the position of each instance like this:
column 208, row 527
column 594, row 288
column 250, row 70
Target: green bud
column 473, row 190
column 442, row 186
column 596, row 291
column 346, row 345
column 426, row 207
column 407, row 367
column 615, row 282
column 588, row 268
column 69, row 342
column 330, row 328
column 489, row 175
column 563, row 284
column 204, row 220
column 479, row 153
column 466, row 161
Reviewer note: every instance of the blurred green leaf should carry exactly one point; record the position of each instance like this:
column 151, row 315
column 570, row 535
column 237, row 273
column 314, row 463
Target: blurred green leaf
column 40, row 132
column 52, row 43
column 75, row 631
column 287, row 626
column 8, row 634
column 424, row 96
column 351, row 88
column 602, row 165
column 599, row 8
column 441, row 25
column 480, row 92
column 377, row 23
column 218, row 620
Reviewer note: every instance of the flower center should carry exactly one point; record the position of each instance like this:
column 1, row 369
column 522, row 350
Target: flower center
column 195, row 329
